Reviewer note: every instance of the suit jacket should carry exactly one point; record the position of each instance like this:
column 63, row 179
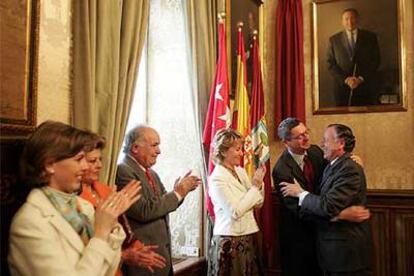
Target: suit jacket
column 297, row 233
column 341, row 64
column 42, row 242
column 233, row 202
column 343, row 246
column 148, row 217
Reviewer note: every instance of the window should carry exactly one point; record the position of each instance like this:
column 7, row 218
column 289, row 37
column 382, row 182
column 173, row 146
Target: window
column 163, row 100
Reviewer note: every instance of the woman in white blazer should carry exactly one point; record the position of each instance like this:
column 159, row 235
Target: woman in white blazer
column 55, row 232
column 234, row 196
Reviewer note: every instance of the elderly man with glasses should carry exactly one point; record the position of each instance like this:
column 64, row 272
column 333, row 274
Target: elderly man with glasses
column 302, row 163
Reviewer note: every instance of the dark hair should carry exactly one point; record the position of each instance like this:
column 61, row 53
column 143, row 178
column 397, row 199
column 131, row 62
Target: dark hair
column 284, row 128
column 50, row 142
column 345, row 132
column 95, row 141
column 223, row 140
column 354, row 11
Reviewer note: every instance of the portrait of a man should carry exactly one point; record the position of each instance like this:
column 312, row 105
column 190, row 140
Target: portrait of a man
column 353, row 61
column 357, row 56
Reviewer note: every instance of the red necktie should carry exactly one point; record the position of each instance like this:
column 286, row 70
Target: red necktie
column 151, row 181
column 308, row 172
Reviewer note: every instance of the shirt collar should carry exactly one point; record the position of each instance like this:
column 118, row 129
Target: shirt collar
column 333, row 161
column 139, row 165
column 354, row 32
column 297, row 157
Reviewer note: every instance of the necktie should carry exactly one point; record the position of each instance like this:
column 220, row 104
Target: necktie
column 151, row 182
column 326, row 173
column 352, row 43
column 308, row 172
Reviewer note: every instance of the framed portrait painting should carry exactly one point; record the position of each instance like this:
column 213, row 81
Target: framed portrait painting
column 19, row 22
column 358, row 56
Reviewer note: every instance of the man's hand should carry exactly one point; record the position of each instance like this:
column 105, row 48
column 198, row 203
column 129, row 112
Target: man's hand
column 353, row 82
column 186, row 184
column 357, row 159
column 354, row 214
column 291, row 189
column 144, row 257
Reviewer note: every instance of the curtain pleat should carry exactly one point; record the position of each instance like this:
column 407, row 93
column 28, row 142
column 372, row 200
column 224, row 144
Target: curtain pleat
column 201, row 23
column 290, row 96
column 108, row 37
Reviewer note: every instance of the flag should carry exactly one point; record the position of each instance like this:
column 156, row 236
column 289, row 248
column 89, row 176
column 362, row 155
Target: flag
column 218, row 113
column 260, row 144
column 241, row 108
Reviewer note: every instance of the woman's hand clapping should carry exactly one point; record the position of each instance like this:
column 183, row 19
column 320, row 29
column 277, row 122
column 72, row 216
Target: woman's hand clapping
column 258, row 176
column 108, row 210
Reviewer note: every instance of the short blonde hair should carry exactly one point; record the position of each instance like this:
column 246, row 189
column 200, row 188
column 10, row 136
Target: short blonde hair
column 223, row 140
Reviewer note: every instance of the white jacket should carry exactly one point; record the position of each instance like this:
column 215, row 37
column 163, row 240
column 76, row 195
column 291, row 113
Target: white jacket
column 233, row 202
column 43, row 243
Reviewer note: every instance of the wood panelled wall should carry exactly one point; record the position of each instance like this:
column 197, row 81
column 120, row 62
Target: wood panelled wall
column 392, row 225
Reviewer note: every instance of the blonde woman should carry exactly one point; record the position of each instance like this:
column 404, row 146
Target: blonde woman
column 234, row 196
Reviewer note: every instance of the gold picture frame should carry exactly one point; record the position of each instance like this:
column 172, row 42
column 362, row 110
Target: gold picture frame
column 388, row 92
column 19, row 23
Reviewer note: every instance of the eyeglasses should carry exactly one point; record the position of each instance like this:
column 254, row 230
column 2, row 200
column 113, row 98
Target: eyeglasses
column 301, row 136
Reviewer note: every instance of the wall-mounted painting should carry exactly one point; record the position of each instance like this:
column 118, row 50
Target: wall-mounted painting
column 19, row 24
column 359, row 56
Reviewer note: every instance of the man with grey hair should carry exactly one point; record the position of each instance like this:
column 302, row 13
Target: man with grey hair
column 303, row 163
column 149, row 217
column 343, row 247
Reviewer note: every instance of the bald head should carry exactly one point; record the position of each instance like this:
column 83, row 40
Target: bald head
column 142, row 143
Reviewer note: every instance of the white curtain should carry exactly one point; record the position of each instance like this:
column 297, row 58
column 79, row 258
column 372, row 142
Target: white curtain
column 171, row 112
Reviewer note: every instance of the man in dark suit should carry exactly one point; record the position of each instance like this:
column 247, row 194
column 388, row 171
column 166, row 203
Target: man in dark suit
column 343, row 247
column 353, row 60
column 149, row 217
column 297, row 233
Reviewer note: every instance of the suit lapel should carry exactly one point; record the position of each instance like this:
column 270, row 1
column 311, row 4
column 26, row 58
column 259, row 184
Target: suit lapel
column 296, row 170
column 38, row 199
column 345, row 43
column 326, row 174
column 142, row 176
column 235, row 183
column 330, row 171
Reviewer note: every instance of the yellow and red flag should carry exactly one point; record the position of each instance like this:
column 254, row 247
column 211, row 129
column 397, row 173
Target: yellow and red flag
column 241, row 108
